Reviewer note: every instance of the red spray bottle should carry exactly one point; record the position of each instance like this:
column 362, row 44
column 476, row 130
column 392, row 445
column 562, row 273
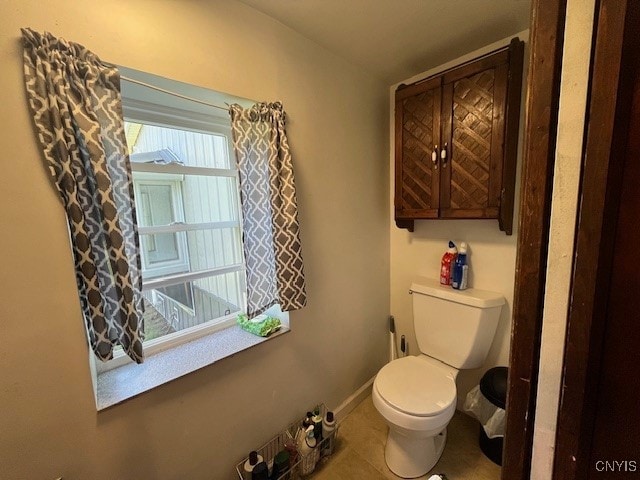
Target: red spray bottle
column 448, row 260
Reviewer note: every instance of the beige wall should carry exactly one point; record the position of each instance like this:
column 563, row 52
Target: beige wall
column 571, row 119
column 200, row 425
column 492, row 255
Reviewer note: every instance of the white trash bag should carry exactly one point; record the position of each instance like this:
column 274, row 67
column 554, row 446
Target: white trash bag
column 491, row 417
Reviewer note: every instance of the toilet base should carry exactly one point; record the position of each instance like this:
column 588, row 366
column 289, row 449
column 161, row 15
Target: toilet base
column 410, row 457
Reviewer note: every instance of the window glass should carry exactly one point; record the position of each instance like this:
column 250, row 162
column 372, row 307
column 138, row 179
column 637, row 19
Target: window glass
column 193, row 149
column 190, row 304
column 186, row 196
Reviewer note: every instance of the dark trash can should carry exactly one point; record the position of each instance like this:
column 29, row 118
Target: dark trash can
column 493, row 387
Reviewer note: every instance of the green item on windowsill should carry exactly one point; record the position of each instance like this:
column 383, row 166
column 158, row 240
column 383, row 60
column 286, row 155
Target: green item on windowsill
column 262, row 325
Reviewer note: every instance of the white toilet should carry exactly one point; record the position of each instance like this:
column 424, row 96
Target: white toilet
column 417, row 394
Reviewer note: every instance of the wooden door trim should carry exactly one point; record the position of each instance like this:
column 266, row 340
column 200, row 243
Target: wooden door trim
column 543, row 92
column 600, row 188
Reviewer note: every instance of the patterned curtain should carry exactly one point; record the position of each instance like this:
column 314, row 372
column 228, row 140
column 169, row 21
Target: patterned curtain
column 76, row 107
column 271, row 239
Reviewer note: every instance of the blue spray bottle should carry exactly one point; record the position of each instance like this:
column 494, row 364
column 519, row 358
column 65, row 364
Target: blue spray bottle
column 460, row 269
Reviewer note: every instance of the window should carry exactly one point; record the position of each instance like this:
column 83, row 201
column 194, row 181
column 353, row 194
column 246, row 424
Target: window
column 187, row 205
column 188, row 213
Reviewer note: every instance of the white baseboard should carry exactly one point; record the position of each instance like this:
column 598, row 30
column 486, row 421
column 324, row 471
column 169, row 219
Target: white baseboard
column 353, row 400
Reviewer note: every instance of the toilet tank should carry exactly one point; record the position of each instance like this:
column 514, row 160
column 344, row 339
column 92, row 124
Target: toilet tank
column 454, row 326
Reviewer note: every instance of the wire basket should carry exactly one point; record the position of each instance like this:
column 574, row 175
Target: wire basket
column 299, row 465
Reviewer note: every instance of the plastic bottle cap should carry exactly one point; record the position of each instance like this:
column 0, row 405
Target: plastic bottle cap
column 253, row 457
column 463, row 247
column 329, row 416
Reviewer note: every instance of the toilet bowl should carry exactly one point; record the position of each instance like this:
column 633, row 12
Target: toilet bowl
column 416, row 395
column 417, row 398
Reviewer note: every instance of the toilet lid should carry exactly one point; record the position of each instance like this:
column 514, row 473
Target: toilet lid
column 415, row 387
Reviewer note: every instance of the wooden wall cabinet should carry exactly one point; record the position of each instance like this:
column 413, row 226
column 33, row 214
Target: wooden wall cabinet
column 456, row 141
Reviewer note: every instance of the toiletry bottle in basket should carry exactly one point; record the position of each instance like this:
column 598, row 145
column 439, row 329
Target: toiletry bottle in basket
column 328, row 429
column 308, row 420
column 281, row 464
column 249, row 465
column 260, row 472
column 317, row 424
column 308, row 452
column 291, row 446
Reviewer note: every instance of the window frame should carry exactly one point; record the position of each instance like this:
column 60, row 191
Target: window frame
column 174, row 183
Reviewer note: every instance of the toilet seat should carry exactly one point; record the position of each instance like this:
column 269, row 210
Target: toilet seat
column 416, row 386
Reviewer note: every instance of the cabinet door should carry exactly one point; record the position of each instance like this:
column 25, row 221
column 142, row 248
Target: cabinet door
column 417, row 137
column 473, row 120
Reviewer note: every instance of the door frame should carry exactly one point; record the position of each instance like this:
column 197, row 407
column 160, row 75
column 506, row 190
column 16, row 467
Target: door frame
column 541, row 121
column 615, row 39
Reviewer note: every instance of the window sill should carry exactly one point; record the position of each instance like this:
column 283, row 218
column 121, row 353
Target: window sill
column 127, row 381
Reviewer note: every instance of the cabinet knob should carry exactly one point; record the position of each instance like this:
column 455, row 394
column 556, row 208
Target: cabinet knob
column 434, row 156
column 443, row 155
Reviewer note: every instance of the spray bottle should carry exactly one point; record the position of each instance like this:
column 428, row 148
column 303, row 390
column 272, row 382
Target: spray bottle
column 461, row 269
column 448, row 259
column 308, row 451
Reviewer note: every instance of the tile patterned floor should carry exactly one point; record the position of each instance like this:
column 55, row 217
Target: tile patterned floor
column 359, row 451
